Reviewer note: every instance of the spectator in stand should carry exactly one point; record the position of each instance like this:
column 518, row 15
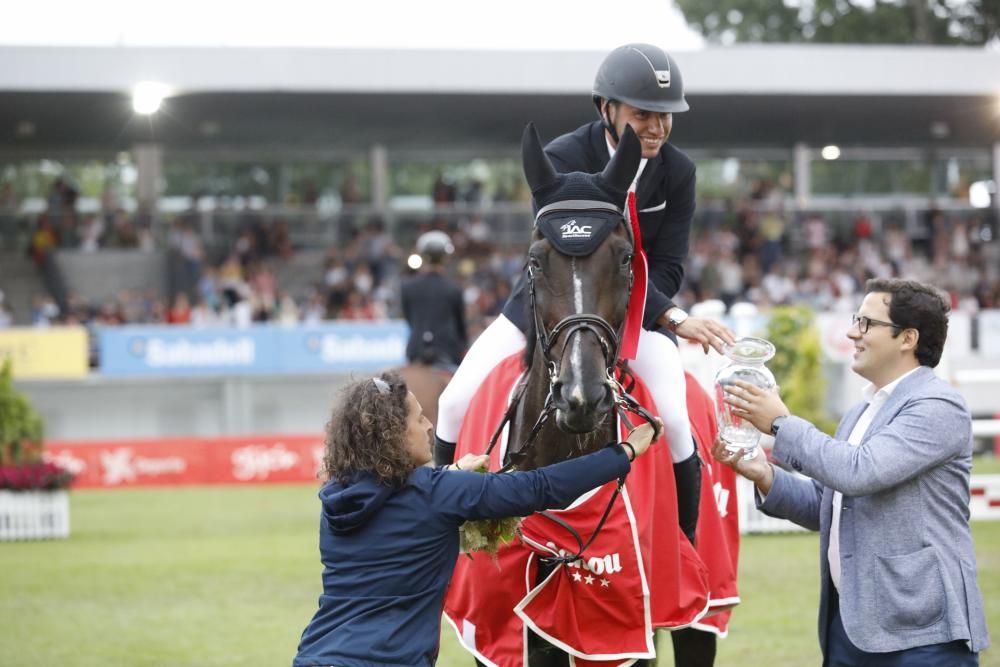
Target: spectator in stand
column 44, row 240
column 350, row 201
column 180, row 311
column 91, row 232
column 288, row 310
column 203, row 315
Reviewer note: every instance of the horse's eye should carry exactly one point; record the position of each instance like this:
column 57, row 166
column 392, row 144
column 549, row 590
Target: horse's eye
column 533, row 264
column 626, row 260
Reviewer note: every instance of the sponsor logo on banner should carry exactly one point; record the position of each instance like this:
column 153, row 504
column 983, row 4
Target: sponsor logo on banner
column 162, row 353
column 252, row 459
column 122, row 465
column 259, row 461
column 65, row 459
column 573, row 230
column 335, row 348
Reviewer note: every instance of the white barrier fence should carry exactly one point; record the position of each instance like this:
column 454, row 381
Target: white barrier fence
column 984, row 504
column 33, row 515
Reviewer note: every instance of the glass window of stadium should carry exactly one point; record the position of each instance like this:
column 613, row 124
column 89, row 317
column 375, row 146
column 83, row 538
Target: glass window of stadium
column 758, row 174
column 88, row 183
column 258, row 183
column 68, row 191
column 942, row 175
column 484, row 195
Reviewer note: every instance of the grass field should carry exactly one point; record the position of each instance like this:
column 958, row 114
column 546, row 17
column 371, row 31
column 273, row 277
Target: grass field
column 230, row 575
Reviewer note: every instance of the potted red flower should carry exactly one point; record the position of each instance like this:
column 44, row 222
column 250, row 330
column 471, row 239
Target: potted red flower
column 34, row 501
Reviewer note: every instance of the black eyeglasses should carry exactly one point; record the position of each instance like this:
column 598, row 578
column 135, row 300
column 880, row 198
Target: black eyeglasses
column 864, row 323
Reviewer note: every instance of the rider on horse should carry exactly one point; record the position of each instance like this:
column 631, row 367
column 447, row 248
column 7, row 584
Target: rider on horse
column 638, row 85
column 434, row 308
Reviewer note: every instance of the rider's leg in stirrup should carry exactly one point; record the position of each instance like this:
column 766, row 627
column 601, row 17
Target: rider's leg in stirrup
column 658, row 363
column 497, row 342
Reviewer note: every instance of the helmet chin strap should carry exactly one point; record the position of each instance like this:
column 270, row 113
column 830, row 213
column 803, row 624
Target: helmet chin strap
column 607, row 121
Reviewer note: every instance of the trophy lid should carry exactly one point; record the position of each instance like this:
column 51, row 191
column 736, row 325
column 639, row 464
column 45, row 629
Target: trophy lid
column 750, row 350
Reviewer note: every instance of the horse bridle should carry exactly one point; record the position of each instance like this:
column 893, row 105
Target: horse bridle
column 610, row 341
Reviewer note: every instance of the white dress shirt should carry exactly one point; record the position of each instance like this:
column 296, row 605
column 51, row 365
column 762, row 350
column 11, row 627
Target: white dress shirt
column 876, row 399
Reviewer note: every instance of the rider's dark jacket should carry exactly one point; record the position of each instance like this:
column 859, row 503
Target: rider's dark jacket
column 434, row 309
column 388, row 554
column 665, row 200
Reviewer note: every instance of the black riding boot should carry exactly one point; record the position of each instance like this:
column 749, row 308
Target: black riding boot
column 687, row 477
column 444, row 452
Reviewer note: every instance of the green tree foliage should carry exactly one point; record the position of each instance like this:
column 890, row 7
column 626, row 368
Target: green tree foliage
column 972, row 22
column 21, row 426
column 797, row 364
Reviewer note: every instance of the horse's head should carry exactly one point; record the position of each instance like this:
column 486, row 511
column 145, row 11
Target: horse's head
column 580, row 277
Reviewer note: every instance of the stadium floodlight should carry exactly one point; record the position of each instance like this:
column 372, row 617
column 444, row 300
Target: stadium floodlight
column 148, row 96
column 414, row 261
column 830, row 152
column 981, row 194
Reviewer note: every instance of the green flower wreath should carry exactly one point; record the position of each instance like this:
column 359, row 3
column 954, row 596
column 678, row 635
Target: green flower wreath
column 487, row 535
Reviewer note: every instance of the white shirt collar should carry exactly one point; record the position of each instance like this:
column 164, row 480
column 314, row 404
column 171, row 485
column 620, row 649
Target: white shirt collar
column 642, row 162
column 869, row 393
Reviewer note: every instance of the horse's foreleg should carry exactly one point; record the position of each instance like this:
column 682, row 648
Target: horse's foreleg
column 693, row 648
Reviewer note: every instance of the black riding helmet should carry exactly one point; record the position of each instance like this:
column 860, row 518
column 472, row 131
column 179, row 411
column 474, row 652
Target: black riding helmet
column 643, row 76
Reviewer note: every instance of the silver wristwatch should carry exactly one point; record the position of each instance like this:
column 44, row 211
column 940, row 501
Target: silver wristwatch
column 676, row 317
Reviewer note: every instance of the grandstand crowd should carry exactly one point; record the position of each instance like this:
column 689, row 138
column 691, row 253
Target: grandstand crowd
column 749, row 249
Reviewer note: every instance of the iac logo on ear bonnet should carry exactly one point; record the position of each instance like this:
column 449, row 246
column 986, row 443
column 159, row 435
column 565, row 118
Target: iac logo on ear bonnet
column 574, row 230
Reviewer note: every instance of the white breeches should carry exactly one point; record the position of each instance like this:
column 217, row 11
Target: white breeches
column 658, row 363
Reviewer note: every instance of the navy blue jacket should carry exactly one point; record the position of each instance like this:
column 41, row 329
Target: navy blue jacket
column 389, row 554
column 435, row 311
column 664, row 199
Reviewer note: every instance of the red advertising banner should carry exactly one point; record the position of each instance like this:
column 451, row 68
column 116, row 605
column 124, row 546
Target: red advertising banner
column 254, row 459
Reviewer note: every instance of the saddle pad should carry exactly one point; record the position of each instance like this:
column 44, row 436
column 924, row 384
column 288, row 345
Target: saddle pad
column 654, row 577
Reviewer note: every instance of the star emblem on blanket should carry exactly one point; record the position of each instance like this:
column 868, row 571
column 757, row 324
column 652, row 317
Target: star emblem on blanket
column 590, row 580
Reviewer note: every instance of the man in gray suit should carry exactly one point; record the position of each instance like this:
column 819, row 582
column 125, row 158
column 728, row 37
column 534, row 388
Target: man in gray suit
column 889, row 493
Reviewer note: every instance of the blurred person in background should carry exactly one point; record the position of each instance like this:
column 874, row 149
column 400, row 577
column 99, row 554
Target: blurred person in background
column 389, row 535
column 889, row 493
column 433, row 307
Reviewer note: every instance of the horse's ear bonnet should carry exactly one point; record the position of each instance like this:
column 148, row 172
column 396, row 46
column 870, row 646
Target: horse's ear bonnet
column 577, row 211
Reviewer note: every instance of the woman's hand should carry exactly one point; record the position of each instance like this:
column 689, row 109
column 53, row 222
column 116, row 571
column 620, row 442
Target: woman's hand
column 641, row 437
column 471, row 462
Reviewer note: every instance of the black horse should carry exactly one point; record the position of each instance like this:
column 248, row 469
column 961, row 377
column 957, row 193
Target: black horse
column 580, row 276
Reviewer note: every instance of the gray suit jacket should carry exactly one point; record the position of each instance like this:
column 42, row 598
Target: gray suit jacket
column 908, row 568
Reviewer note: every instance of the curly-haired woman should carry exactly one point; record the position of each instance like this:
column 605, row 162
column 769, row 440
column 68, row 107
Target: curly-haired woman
column 389, row 530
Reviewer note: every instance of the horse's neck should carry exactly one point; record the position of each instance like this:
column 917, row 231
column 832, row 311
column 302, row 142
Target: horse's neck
column 551, row 444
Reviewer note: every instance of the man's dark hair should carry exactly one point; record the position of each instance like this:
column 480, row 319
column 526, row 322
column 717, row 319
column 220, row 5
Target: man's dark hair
column 914, row 305
column 367, row 432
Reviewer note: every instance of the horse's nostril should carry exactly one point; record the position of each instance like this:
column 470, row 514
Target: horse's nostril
column 607, row 401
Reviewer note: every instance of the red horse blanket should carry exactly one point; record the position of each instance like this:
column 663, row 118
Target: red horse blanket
column 639, row 574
